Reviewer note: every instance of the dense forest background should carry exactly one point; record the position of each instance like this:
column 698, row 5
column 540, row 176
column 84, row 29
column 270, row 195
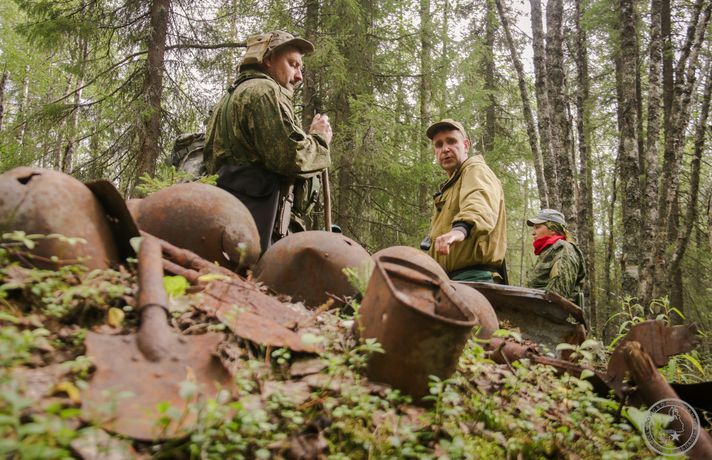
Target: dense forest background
column 596, row 107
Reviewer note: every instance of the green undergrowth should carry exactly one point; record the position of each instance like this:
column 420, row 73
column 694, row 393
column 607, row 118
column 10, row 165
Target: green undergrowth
column 484, row 410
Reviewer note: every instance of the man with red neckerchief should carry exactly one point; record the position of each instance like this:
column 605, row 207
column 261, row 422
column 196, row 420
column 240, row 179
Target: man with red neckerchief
column 560, row 264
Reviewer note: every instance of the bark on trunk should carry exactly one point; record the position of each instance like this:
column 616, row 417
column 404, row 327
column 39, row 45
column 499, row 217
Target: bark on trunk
column 629, row 147
column 22, row 107
column 560, row 125
column 150, row 133
column 543, row 108
column 70, row 149
column 487, row 65
column 649, row 211
column 426, row 89
column 676, row 297
column 312, row 101
column 527, row 109
column 583, row 126
column 3, row 85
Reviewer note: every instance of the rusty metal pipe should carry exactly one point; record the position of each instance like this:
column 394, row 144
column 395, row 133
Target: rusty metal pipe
column 154, row 333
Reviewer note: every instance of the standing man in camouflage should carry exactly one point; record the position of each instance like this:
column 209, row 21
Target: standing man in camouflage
column 254, row 143
column 468, row 230
column 559, row 266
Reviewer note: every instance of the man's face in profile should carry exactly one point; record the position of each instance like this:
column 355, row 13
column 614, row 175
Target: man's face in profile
column 285, row 66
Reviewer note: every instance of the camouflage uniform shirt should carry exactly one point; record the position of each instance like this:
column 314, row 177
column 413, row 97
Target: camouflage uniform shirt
column 263, row 131
column 559, row 268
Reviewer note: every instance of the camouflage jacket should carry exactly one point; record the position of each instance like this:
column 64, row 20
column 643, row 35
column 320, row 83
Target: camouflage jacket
column 473, row 196
column 559, row 268
column 263, row 131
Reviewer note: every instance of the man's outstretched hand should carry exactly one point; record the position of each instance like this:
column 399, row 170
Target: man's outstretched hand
column 444, row 241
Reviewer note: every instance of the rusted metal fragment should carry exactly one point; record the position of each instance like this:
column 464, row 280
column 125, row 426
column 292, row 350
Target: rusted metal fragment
column 117, row 216
column 308, row 266
column 658, row 340
column 543, row 317
column 487, row 322
column 695, row 394
column 205, row 219
column 652, row 388
column 504, row 351
column 262, row 330
column 419, row 320
column 136, row 373
column 417, row 256
column 242, row 305
column 42, row 201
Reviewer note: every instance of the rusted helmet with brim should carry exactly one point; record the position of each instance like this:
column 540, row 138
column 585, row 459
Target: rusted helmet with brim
column 309, row 266
column 47, row 202
column 260, row 46
column 204, row 219
column 414, row 255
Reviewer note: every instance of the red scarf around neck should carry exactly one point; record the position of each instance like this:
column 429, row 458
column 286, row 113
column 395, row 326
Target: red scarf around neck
column 544, row 242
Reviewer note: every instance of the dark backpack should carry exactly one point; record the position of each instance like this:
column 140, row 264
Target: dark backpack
column 187, row 154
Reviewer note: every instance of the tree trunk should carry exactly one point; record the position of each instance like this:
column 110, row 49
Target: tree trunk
column 610, row 246
column 487, row 68
column 443, row 107
column 543, row 110
column 68, row 157
column 560, row 125
column 649, row 211
column 583, row 127
column 526, row 108
column 629, row 147
column 426, row 88
column 676, row 297
column 22, row 107
column 3, row 85
column 150, row 133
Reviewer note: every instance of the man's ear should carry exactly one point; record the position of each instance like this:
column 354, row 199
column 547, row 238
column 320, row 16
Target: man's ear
column 467, row 144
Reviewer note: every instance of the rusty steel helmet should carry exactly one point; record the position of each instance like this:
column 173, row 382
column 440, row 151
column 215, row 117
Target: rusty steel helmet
column 308, row 266
column 42, row 201
column 477, row 303
column 204, row 219
column 416, row 256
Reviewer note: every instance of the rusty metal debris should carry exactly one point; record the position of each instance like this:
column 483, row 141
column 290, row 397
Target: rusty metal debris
column 204, row 219
column 658, row 340
column 249, row 312
column 117, row 216
column 652, row 388
column 419, row 320
column 308, row 266
column 414, row 255
column 135, row 373
column 543, row 317
column 42, row 201
column 487, row 322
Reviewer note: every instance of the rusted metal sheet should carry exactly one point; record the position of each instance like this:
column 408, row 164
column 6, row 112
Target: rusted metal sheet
column 419, row 320
column 205, row 219
column 136, row 373
column 249, row 312
column 117, row 216
column 653, row 390
column 308, row 266
column 658, row 340
column 487, row 322
column 43, row 201
column 417, row 256
column 543, row 317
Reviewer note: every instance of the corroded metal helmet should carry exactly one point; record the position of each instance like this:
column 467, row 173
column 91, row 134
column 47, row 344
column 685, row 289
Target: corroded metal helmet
column 308, row 266
column 476, row 302
column 42, row 201
column 413, row 255
column 204, row 219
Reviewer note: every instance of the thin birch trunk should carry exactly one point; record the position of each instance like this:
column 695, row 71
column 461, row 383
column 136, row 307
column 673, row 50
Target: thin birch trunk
column 22, row 107
column 541, row 182
column 487, row 68
column 426, row 92
column 3, row 84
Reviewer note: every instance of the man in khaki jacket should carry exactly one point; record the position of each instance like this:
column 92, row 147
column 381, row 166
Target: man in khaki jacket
column 468, row 230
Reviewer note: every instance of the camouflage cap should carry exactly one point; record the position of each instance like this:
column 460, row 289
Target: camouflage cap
column 445, row 123
column 547, row 215
column 259, row 46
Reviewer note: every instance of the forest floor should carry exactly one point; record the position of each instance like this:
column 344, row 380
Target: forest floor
column 281, row 403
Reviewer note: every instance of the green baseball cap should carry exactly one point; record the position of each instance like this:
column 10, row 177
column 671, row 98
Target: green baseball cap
column 445, row 123
column 547, row 215
column 259, row 46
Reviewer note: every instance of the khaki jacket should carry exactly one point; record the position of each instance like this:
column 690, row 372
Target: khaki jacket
column 264, row 131
column 472, row 195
